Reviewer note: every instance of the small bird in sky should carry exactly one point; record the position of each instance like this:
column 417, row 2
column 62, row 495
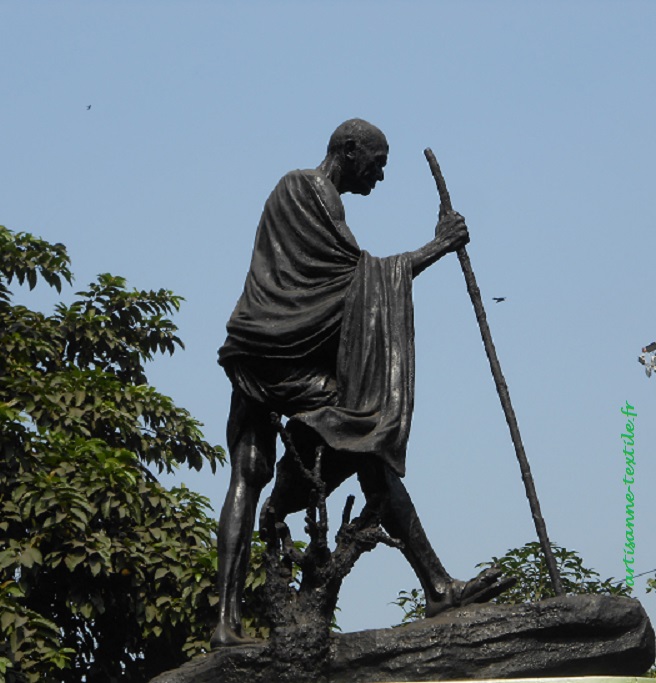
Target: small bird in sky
column 88, row 107
column 499, row 299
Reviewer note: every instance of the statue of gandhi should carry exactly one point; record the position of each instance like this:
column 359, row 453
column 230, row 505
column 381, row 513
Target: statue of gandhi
column 323, row 334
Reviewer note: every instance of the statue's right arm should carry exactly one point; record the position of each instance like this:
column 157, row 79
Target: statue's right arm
column 450, row 235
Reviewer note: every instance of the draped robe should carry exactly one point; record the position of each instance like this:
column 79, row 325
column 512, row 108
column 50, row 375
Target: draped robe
column 312, row 293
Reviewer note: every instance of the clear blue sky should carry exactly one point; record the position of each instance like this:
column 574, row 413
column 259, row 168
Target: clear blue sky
column 542, row 116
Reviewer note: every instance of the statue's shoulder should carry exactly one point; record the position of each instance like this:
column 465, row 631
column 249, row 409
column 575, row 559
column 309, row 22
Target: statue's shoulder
column 312, row 182
column 311, row 177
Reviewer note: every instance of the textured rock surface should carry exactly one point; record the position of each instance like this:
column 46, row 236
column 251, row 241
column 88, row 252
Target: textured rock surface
column 572, row 636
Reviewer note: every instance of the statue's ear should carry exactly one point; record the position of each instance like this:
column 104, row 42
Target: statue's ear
column 349, row 149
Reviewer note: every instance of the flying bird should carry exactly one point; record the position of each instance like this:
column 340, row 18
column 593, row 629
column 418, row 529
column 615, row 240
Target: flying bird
column 88, row 107
column 499, row 299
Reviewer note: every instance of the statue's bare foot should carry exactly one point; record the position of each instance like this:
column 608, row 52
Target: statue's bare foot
column 482, row 588
column 224, row 636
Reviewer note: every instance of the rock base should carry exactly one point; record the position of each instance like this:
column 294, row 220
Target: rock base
column 582, row 635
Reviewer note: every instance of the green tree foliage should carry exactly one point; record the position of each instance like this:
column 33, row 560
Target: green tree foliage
column 528, row 565
column 104, row 574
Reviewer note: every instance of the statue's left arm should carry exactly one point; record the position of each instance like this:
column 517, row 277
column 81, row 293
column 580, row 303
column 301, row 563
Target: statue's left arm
column 450, row 235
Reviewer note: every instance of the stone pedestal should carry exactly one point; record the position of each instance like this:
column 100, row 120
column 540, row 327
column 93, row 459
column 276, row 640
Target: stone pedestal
column 558, row 638
column 571, row 679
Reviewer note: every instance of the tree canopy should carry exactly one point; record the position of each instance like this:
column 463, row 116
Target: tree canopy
column 104, row 574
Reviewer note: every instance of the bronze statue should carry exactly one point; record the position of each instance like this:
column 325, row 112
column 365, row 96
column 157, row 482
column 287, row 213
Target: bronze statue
column 323, row 334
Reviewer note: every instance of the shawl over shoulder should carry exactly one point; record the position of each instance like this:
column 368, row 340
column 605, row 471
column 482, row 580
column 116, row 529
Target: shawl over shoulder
column 303, row 262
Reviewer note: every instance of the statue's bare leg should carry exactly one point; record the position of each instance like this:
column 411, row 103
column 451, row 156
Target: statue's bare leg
column 385, row 492
column 383, row 488
column 252, row 445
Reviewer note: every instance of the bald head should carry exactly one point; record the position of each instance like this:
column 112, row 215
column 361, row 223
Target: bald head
column 355, row 132
column 357, row 154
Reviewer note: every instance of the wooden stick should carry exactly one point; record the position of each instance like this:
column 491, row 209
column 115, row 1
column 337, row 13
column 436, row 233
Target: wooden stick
column 499, row 380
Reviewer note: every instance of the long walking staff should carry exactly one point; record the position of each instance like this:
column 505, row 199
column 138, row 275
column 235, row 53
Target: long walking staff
column 502, row 387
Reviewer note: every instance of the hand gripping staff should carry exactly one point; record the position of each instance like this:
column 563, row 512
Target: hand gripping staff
column 502, row 388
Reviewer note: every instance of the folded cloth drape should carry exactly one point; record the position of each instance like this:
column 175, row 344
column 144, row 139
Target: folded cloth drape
column 311, row 295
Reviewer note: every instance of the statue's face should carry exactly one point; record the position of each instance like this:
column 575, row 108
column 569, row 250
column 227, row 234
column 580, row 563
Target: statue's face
column 367, row 162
